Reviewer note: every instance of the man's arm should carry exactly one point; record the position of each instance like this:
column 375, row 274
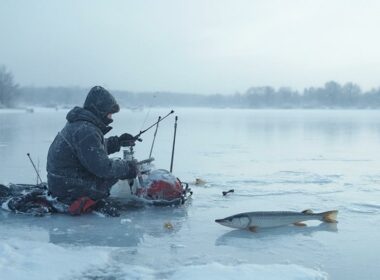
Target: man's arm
column 93, row 156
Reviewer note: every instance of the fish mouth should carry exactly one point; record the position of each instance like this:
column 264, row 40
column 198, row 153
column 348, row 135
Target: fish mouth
column 219, row 221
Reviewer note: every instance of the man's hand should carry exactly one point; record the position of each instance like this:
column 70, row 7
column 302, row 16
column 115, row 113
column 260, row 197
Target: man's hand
column 127, row 140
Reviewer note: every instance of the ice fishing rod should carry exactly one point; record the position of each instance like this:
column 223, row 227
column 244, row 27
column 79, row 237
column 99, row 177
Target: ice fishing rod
column 35, row 169
column 175, row 132
column 154, row 137
column 145, row 130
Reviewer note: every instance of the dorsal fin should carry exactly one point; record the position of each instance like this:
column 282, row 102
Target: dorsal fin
column 307, row 211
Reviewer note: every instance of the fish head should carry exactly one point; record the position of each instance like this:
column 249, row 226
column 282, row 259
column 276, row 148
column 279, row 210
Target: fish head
column 236, row 221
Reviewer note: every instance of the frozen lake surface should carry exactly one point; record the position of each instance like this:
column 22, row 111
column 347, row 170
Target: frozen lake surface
column 273, row 159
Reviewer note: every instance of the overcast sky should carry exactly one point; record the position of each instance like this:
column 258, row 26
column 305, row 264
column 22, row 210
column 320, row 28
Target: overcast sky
column 196, row 46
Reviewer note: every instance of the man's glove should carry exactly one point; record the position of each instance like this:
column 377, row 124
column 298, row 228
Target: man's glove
column 126, row 140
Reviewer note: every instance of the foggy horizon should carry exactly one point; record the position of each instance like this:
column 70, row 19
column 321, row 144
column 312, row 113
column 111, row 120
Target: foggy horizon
column 190, row 47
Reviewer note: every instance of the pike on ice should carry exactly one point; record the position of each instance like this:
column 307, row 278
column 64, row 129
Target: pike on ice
column 254, row 220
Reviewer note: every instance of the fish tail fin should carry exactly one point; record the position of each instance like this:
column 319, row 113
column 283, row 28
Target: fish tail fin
column 330, row 216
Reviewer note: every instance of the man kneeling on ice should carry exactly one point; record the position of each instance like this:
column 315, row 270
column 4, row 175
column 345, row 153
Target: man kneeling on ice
column 80, row 173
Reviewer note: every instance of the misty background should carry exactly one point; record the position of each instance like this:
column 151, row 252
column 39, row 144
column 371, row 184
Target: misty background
column 244, row 54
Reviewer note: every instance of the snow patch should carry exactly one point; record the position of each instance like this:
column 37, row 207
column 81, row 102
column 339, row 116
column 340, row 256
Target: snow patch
column 31, row 260
column 124, row 221
column 219, row 271
column 212, row 271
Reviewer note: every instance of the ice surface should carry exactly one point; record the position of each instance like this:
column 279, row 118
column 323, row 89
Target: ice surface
column 247, row 271
column 273, row 159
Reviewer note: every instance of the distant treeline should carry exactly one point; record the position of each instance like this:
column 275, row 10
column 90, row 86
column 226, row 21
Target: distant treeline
column 331, row 95
column 8, row 88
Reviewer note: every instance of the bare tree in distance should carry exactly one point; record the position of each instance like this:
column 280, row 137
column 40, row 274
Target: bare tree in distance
column 8, row 89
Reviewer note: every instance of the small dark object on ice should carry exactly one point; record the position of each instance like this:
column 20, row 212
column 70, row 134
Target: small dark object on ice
column 230, row 191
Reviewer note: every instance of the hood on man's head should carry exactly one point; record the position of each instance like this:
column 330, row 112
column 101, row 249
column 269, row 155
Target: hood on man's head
column 100, row 102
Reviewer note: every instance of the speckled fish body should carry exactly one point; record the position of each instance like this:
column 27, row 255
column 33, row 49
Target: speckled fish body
column 253, row 220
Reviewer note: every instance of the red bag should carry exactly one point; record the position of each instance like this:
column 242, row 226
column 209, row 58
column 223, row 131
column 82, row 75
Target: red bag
column 165, row 190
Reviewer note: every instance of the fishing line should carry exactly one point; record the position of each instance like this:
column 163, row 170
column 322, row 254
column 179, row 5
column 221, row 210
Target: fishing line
column 148, row 113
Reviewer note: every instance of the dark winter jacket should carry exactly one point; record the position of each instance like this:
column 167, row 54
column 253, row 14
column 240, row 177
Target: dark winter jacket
column 78, row 163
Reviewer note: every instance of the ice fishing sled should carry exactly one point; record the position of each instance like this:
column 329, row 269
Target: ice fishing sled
column 154, row 188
